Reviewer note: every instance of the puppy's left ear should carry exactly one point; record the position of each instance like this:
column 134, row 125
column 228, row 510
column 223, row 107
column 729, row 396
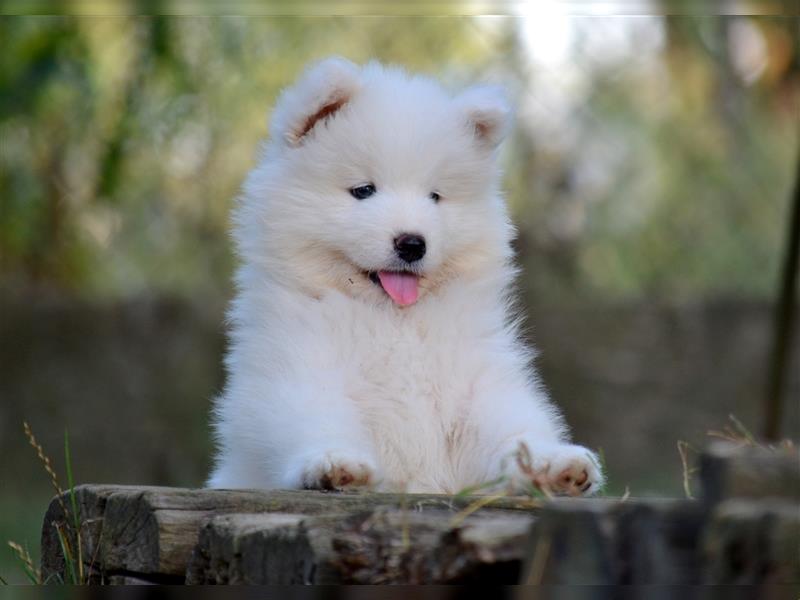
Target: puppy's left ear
column 487, row 112
column 320, row 92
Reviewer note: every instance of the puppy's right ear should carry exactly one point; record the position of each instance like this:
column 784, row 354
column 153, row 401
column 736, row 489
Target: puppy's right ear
column 322, row 90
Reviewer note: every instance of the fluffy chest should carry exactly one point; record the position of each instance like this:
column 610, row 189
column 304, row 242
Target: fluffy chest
column 404, row 362
column 412, row 376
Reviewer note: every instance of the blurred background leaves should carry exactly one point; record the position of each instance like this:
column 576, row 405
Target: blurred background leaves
column 650, row 176
column 121, row 149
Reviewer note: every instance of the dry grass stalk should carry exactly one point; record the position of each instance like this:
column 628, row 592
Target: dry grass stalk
column 626, row 495
column 25, row 558
column 735, row 433
column 688, row 471
column 540, row 555
column 45, row 460
column 459, row 517
column 525, row 464
column 71, row 517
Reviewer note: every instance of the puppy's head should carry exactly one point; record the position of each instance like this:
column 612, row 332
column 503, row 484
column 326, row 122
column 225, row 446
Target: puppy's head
column 379, row 184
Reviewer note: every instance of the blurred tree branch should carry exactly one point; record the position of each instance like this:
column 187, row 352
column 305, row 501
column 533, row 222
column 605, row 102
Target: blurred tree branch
column 784, row 320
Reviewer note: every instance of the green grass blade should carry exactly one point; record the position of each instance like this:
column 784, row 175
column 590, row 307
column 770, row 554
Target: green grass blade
column 31, row 575
column 68, row 561
column 470, row 490
column 53, row 577
column 76, row 518
column 533, row 491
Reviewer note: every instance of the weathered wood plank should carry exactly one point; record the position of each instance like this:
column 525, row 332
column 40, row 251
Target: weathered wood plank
column 381, row 546
column 730, row 470
column 152, row 530
column 602, row 541
column 744, row 530
column 91, row 502
column 748, row 542
column 254, row 548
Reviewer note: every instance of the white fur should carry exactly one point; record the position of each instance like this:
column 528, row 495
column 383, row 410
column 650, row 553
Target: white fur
column 326, row 374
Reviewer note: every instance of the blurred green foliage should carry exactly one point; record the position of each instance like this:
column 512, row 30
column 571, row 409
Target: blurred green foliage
column 124, row 141
column 125, row 138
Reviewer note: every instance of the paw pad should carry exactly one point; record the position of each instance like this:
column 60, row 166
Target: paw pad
column 560, row 470
column 338, row 477
column 334, row 473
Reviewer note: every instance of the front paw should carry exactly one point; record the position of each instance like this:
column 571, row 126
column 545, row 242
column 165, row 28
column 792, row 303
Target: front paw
column 335, row 471
column 558, row 469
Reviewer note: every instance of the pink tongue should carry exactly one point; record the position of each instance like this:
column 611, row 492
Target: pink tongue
column 401, row 287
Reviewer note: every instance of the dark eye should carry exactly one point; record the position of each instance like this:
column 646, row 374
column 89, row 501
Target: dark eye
column 362, row 192
column 435, row 196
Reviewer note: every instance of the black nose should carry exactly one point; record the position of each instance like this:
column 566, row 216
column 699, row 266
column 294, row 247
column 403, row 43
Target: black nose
column 410, row 247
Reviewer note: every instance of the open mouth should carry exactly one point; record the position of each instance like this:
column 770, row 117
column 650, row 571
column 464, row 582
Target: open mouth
column 401, row 286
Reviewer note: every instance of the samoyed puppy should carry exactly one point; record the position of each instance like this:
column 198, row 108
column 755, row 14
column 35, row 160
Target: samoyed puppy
column 373, row 341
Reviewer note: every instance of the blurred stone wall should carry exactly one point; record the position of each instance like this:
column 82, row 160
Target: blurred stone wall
column 133, row 381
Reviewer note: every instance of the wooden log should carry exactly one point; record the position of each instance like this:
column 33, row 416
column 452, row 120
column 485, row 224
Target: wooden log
column 151, row 531
column 218, row 545
column 259, row 548
column 730, row 470
column 572, row 545
column 91, row 502
column 420, row 548
column 657, row 541
column 606, row 541
column 745, row 530
column 749, row 542
column 381, row 546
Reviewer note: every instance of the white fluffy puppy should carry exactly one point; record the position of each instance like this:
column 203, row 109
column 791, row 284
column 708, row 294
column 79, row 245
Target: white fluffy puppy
column 372, row 339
